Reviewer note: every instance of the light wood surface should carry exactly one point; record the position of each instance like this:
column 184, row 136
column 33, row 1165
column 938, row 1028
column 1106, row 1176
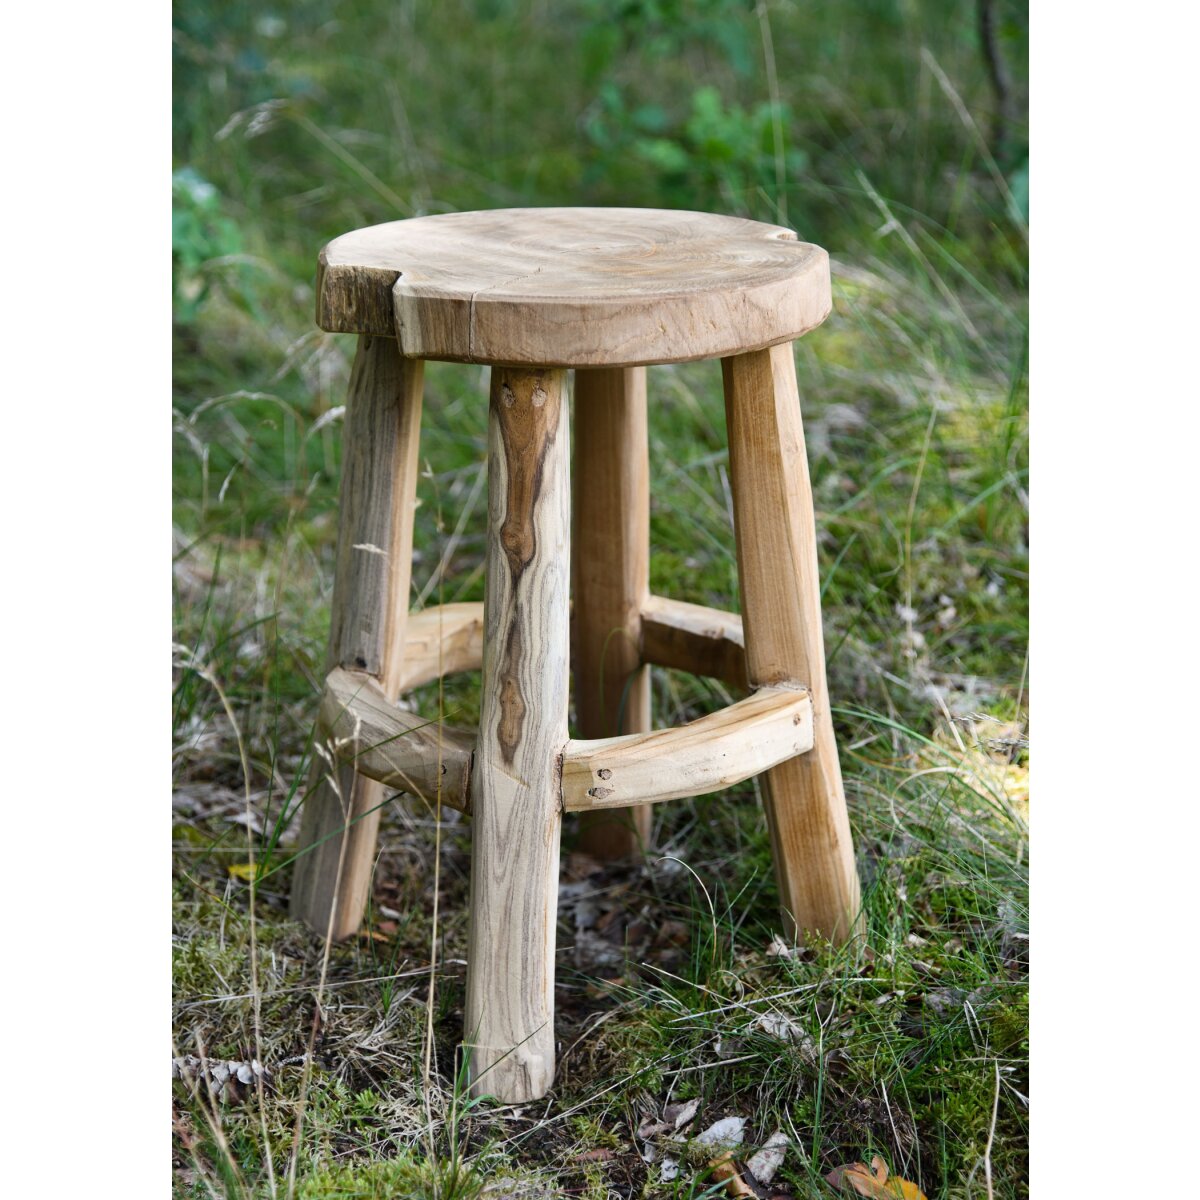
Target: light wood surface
column 368, row 618
column 690, row 637
column 610, row 582
column 706, row 755
column 442, row 640
column 408, row 753
column 399, row 749
column 674, row 633
column 775, row 530
column 515, row 785
column 574, row 286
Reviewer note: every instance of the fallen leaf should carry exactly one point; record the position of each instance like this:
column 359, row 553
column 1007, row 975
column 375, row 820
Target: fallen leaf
column 373, row 935
column 778, row 948
column 769, row 1159
column 668, row 1169
column 650, row 1126
column 729, row 1047
column 600, row 1154
column 680, row 1114
column 728, row 1132
column 579, row 866
column 725, row 1170
column 873, row 1182
column 779, row 1026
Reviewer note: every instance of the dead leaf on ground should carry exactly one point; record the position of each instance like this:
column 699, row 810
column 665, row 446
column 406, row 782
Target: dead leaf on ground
column 769, row 1159
column 726, row 1133
column 873, row 1182
column 675, row 1117
column 579, row 866
column 600, row 1154
column 778, row 948
column 372, row 935
column 650, row 1126
column 680, row 1114
column 781, row 1026
column 725, row 1170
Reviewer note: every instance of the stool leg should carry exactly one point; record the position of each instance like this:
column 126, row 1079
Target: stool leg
column 781, row 610
column 516, row 781
column 369, row 614
column 610, row 581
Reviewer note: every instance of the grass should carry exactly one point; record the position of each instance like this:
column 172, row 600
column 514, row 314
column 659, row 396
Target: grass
column 911, row 1044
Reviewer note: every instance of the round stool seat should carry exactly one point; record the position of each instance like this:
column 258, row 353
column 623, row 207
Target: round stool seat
column 574, row 287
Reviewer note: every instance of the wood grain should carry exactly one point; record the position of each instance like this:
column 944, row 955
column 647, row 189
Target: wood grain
column 690, row 637
column 574, row 286
column 775, row 530
column 448, row 638
column 610, row 582
column 442, row 640
column 368, row 618
column 399, row 749
column 706, row 755
column 515, row 785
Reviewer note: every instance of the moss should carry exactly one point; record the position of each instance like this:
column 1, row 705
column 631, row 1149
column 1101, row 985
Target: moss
column 384, row 1180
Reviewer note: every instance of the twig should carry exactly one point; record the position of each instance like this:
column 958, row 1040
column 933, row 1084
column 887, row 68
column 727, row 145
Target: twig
column 987, row 1150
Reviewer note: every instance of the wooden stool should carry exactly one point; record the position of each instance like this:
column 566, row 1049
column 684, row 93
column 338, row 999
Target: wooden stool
column 533, row 292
